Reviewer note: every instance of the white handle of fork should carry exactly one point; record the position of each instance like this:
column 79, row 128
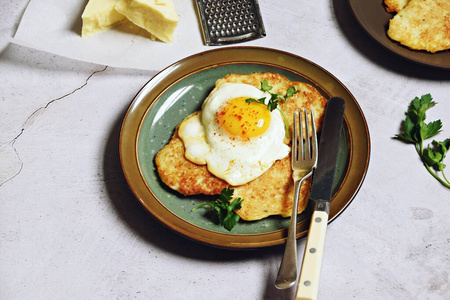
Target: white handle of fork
column 308, row 285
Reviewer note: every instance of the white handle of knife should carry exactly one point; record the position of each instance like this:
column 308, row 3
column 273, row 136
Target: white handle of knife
column 308, row 285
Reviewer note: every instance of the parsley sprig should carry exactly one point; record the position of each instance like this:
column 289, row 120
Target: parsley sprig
column 225, row 208
column 414, row 130
column 274, row 100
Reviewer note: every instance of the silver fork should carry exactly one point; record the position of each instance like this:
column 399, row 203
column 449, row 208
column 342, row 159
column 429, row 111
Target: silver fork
column 303, row 161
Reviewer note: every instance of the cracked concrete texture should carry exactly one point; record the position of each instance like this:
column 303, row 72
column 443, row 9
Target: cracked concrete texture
column 33, row 85
column 10, row 162
column 10, row 159
column 52, row 122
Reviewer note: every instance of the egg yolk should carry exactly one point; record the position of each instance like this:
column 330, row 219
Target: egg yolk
column 247, row 120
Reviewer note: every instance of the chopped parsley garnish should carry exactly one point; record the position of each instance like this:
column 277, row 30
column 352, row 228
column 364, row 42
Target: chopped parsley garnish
column 271, row 105
column 414, row 130
column 274, row 100
column 225, row 208
column 291, row 91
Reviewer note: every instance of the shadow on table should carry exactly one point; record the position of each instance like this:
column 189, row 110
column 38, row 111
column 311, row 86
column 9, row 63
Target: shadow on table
column 136, row 217
column 360, row 40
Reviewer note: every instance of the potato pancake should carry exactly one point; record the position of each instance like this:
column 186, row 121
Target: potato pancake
column 422, row 25
column 269, row 194
column 395, row 5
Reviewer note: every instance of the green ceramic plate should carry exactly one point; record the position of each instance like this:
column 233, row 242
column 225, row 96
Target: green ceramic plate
column 178, row 91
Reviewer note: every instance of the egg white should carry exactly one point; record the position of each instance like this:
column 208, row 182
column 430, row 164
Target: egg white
column 232, row 158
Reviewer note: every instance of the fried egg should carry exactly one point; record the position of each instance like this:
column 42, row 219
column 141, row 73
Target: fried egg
column 237, row 140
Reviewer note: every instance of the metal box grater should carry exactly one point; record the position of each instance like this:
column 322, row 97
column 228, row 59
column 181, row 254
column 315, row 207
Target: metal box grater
column 230, row 21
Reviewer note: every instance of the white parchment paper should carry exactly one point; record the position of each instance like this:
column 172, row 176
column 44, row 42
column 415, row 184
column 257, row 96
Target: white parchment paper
column 54, row 26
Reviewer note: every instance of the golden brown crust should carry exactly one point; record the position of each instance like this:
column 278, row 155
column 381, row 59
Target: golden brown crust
column 395, row 5
column 272, row 192
column 422, row 25
column 184, row 176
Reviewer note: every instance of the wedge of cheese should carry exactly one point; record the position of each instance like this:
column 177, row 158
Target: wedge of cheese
column 158, row 17
column 100, row 15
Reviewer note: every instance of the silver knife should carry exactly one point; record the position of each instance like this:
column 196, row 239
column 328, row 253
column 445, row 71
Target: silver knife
column 321, row 193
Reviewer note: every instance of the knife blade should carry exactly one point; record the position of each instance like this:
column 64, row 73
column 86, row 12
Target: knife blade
column 321, row 194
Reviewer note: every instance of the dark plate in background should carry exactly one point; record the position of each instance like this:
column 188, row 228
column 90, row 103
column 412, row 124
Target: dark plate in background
column 373, row 17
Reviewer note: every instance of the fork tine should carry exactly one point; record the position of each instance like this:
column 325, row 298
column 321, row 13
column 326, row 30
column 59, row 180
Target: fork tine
column 314, row 138
column 300, row 144
column 294, row 141
column 307, row 136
